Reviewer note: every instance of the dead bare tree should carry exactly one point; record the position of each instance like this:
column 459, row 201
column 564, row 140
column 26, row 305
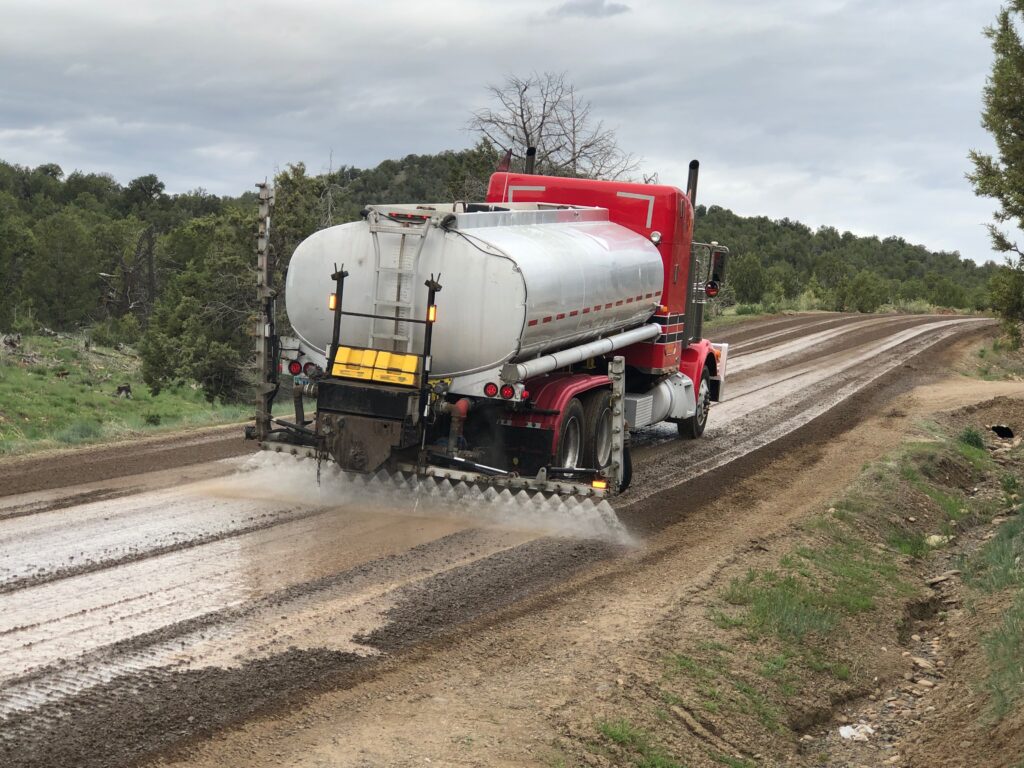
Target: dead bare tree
column 545, row 111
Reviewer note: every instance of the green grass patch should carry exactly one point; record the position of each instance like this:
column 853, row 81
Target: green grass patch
column 998, row 564
column 1010, row 483
column 66, row 397
column 732, row 762
column 998, row 361
column 971, row 437
column 1004, row 648
column 644, row 752
column 910, row 543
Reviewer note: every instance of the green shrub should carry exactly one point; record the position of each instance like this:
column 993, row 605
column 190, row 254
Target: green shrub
column 116, row 330
column 749, row 309
column 78, row 432
column 971, row 437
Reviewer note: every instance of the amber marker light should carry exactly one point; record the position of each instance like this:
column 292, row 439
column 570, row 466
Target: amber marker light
column 432, row 313
column 600, row 484
column 332, row 302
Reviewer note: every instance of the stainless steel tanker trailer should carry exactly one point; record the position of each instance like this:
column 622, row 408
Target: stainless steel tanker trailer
column 512, row 343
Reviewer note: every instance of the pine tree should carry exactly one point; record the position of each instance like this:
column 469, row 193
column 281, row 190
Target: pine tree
column 1002, row 177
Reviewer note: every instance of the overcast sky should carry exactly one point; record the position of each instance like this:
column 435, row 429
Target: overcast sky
column 854, row 113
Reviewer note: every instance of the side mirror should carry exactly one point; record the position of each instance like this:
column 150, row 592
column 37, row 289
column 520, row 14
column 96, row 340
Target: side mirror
column 719, row 256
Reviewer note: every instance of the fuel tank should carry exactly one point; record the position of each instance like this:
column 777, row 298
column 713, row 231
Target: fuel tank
column 516, row 283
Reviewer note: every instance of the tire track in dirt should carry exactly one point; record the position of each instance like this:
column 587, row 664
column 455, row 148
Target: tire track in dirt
column 170, row 678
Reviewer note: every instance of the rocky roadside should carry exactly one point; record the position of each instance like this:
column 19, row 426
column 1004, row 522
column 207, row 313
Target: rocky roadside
column 907, row 723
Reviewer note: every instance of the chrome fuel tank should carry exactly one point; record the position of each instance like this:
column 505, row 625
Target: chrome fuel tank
column 516, row 283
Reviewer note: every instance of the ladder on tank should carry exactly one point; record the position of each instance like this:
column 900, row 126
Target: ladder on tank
column 395, row 261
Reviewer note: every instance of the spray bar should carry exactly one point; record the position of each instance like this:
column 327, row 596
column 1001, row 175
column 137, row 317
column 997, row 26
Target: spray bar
column 513, row 372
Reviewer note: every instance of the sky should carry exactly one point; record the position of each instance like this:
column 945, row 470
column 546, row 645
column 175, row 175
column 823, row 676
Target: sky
column 857, row 114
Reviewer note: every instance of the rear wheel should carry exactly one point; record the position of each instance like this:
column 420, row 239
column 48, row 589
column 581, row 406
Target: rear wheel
column 571, row 435
column 693, row 427
column 597, row 422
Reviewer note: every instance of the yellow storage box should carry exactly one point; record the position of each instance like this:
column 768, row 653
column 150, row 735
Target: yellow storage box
column 353, row 363
column 394, row 368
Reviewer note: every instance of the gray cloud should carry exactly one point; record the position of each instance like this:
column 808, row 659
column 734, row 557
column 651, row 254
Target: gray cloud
column 589, row 8
column 855, row 113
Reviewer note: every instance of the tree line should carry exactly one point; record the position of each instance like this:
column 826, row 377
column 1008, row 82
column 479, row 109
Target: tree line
column 174, row 274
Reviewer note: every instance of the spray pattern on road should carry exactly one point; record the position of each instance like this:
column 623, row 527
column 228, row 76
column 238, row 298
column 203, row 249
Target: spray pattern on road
column 297, row 480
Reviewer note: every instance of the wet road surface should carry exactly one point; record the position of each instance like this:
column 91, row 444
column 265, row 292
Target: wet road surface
column 178, row 600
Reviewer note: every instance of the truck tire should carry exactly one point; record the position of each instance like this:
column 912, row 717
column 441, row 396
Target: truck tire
column 571, row 435
column 693, row 427
column 597, row 423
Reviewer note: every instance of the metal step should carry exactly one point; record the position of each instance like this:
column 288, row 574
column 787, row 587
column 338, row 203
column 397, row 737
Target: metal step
column 391, row 336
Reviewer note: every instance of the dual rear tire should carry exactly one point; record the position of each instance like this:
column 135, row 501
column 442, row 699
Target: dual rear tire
column 585, row 438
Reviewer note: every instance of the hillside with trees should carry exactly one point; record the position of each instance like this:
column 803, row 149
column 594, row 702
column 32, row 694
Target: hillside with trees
column 173, row 273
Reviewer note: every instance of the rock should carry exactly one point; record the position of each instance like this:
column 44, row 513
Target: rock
column 922, row 663
column 908, row 675
column 924, row 682
column 916, row 638
column 937, row 540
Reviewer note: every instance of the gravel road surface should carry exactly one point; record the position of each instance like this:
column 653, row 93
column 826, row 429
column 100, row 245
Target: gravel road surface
column 152, row 594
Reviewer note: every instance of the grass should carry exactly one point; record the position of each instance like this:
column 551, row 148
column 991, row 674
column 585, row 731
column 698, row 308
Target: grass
column 998, row 564
column 998, row 361
column 814, row 589
column 907, row 542
column 1004, row 648
column 971, row 437
column 997, row 567
column 644, row 752
column 66, row 396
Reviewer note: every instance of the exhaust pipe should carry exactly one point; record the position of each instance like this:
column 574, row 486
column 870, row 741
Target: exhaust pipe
column 691, row 182
column 531, row 159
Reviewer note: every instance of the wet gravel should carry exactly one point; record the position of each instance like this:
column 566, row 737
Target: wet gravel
column 133, row 717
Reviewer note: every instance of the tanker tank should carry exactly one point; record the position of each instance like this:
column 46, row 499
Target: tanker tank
column 517, row 283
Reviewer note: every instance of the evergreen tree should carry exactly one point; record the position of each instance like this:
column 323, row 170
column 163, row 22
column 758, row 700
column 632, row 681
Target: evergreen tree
column 1002, row 177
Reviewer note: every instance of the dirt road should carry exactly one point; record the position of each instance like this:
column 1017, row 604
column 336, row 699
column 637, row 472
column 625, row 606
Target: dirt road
column 147, row 610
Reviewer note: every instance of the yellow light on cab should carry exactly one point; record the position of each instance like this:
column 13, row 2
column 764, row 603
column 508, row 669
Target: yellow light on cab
column 600, row 484
column 332, row 302
column 431, row 313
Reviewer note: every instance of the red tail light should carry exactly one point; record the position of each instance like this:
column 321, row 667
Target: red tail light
column 294, row 367
column 491, row 389
column 711, row 289
column 310, row 368
column 508, row 391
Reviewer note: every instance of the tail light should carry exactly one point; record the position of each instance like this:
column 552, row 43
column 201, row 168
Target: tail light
column 310, row 368
column 711, row 289
column 294, row 367
column 491, row 389
column 508, row 391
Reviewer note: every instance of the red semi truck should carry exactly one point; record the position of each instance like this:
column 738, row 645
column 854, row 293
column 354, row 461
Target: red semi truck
column 511, row 343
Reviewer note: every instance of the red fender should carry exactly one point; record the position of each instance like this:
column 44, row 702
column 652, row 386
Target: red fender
column 551, row 395
column 693, row 359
